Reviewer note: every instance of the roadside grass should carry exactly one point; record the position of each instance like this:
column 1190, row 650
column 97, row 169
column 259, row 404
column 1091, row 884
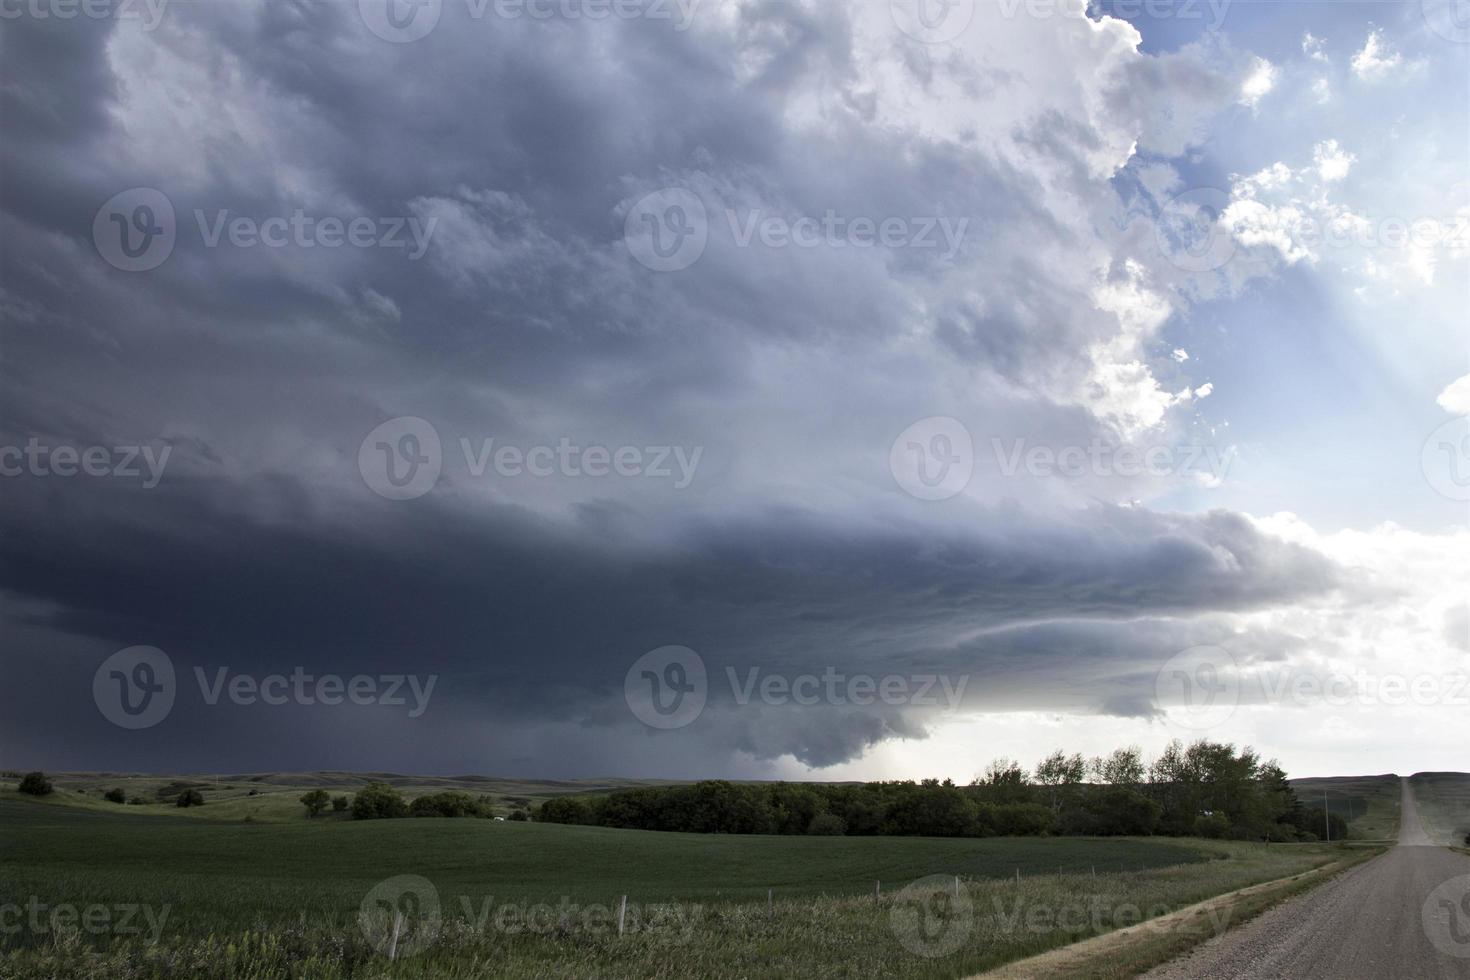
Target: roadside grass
column 533, row 900
column 1443, row 801
column 1130, row 952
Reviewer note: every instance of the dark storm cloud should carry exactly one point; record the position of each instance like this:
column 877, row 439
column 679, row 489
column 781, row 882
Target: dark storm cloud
column 528, row 619
column 526, row 319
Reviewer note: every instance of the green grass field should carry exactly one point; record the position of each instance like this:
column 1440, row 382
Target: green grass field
column 1370, row 804
column 275, row 796
column 279, row 898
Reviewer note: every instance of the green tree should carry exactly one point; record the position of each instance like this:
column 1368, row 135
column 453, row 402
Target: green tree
column 190, row 797
column 826, row 825
column 315, row 801
column 1004, row 781
column 35, row 784
column 446, row 804
column 1060, row 772
column 378, row 801
column 115, row 795
column 340, row 804
column 1124, row 767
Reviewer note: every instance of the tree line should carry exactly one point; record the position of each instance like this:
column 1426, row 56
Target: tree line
column 1206, row 789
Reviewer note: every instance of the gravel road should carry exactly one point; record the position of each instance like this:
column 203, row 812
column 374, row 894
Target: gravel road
column 1403, row 914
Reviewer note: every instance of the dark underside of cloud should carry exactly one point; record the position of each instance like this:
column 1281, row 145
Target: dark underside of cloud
column 528, row 320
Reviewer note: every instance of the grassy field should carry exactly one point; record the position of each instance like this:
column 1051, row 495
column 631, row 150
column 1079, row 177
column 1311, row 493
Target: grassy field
column 1443, row 801
column 1370, row 804
column 484, row 898
column 275, row 796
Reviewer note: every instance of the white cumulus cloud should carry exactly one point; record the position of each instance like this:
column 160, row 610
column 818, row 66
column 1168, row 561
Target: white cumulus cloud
column 1456, row 397
column 1376, row 61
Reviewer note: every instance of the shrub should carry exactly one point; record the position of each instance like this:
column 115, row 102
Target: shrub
column 190, row 797
column 35, row 784
column 1111, row 811
column 932, row 810
column 1213, row 825
column 340, row 803
column 827, row 825
column 564, row 809
column 446, row 804
column 137, row 801
column 378, row 801
column 315, row 801
column 1020, row 819
column 115, row 795
column 519, row 815
column 253, row 792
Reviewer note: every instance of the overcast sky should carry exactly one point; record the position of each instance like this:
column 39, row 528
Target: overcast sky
column 941, row 382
